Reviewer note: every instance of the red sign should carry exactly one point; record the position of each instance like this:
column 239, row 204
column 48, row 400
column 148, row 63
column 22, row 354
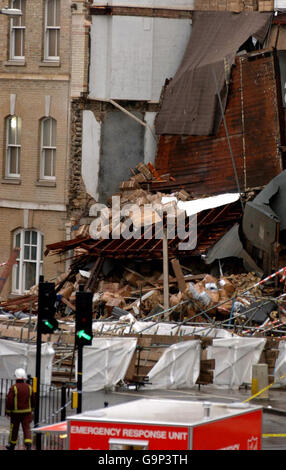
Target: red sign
column 235, row 433
column 85, row 435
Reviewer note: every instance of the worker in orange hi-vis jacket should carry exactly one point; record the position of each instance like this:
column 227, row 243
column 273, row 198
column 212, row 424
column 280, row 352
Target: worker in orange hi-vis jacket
column 20, row 403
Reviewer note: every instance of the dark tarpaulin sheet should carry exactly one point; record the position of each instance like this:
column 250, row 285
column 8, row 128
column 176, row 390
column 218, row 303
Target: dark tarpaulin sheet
column 190, row 104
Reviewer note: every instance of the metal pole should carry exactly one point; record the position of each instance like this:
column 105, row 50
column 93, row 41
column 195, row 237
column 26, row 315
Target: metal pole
column 63, row 402
column 79, row 378
column 166, row 273
column 228, row 140
column 38, row 378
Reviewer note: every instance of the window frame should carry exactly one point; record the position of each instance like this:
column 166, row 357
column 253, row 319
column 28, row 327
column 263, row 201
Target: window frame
column 19, row 282
column 10, row 145
column 50, row 147
column 14, row 27
column 48, row 29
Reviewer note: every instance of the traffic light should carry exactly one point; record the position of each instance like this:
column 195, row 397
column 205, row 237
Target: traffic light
column 83, row 318
column 46, row 308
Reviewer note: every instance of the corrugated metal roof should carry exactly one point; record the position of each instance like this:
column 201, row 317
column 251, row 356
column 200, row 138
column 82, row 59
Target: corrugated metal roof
column 203, row 165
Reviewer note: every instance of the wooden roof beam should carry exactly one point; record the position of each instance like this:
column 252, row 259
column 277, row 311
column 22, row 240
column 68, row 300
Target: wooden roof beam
column 158, row 12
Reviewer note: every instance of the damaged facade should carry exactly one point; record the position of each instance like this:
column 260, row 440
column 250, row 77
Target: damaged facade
column 118, row 122
column 124, row 143
column 118, row 112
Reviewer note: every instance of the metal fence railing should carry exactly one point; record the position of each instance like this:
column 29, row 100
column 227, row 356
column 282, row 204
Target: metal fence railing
column 54, row 406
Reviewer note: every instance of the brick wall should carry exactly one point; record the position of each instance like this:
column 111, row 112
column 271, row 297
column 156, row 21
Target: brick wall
column 234, row 5
column 79, row 201
column 30, row 106
column 34, row 40
column 31, row 81
column 79, row 47
column 52, row 224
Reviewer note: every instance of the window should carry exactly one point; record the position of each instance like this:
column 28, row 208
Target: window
column 48, row 149
column 52, row 30
column 30, row 261
column 13, row 146
column 17, row 31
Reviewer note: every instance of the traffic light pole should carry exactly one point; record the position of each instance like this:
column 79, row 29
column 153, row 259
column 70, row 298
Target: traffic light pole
column 46, row 324
column 79, row 377
column 38, row 379
column 83, row 334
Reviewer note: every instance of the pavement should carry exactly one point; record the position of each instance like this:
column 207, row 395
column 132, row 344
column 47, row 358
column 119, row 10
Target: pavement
column 274, row 408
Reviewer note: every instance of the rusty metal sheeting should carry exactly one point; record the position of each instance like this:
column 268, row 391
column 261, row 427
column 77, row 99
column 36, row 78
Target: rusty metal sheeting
column 212, row 224
column 202, row 165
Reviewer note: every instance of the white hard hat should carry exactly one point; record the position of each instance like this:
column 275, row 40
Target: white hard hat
column 20, row 374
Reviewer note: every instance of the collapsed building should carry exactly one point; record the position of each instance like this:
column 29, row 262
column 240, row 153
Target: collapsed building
column 220, row 158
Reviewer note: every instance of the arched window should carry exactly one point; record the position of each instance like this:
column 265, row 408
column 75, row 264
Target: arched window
column 48, row 149
column 13, row 146
column 30, row 261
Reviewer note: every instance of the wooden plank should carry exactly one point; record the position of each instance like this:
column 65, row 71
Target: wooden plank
column 139, row 378
column 131, row 368
column 205, row 377
column 23, row 335
column 94, row 275
column 18, row 300
column 158, row 12
column 164, row 339
column 179, row 274
column 152, row 354
column 69, row 304
column 7, row 269
column 271, row 354
column 207, row 364
column 144, row 370
column 144, row 342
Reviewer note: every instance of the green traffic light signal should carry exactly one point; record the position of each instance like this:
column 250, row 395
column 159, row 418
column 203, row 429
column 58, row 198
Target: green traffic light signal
column 82, row 334
column 49, row 325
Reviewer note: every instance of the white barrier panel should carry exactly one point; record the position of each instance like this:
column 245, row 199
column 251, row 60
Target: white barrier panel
column 106, row 361
column 15, row 355
column 280, row 364
column 234, row 359
column 178, row 367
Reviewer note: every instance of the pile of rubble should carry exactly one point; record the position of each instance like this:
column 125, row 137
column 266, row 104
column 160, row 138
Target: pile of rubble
column 144, row 296
column 137, row 286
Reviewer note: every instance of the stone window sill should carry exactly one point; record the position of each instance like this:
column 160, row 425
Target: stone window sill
column 11, row 181
column 50, row 63
column 16, row 63
column 46, row 183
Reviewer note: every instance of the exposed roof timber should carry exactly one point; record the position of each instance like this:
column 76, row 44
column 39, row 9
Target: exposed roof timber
column 133, row 10
column 211, row 226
